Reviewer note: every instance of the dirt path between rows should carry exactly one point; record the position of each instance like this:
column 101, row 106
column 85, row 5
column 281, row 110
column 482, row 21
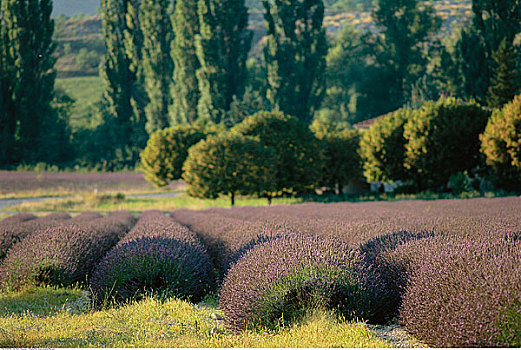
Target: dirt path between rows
column 396, row 336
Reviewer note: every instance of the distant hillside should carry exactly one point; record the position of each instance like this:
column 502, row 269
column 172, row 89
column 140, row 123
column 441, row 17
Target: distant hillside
column 74, row 7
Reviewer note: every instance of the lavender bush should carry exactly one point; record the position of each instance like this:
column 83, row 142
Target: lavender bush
column 12, row 233
column 285, row 277
column 388, row 277
column 64, row 254
column 464, row 293
column 227, row 239
column 158, row 256
column 17, row 219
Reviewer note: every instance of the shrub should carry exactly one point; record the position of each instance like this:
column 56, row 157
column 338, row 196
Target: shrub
column 342, row 162
column 158, row 256
column 382, row 148
column 64, row 254
column 466, row 294
column 501, row 144
column 12, row 233
column 443, row 139
column 286, row 277
column 166, row 151
column 298, row 153
column 229, row 164
column 227, row 239
column 87, row 216
column 389, row 274
column 17, row 219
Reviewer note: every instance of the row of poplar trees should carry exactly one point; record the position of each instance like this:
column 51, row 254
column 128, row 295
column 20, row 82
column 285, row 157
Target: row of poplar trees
column 184, row 61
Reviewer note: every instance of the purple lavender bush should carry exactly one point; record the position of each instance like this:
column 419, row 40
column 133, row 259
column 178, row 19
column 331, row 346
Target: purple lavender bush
column 158, row 256
column 465, row 293
column 388, row 275
column 227, row 238
column 284, row 278
column 17, row 219
column 62, row 255
column 12, row 233
column 87, row 216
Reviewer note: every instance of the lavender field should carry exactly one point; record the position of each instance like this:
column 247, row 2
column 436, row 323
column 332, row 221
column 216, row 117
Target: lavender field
column 447, row 271
column 30, row 182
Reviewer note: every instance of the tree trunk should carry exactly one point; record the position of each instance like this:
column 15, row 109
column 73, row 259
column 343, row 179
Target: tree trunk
column 232, row 197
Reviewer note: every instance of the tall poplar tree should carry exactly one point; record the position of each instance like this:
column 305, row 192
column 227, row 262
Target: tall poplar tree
column 158, row 66
column 185, row 92
column 406, row 26
column 506, row 81
column 295, row 55
column 124, row 97
column 494, row 21
column 27, row 83
column 222, row 48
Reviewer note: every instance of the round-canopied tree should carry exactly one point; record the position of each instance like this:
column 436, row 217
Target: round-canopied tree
column 229, row 164
column 167, row 149
column 382, row 148
column 443, row 139
column 501, row 144
column 299, row 156
column 342, row 162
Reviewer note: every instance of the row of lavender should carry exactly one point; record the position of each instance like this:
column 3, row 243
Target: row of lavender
column 118, row 258
column 450, row 270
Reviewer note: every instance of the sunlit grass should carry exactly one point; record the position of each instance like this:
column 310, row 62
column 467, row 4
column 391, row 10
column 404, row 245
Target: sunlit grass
column 86, row 91
column 154, row 323
column 114, row 201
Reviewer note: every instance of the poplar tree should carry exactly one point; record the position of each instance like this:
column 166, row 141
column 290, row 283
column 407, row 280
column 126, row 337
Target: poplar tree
column 295, row 55
column 406, row 26
column 505, row 82
column 27, row 77
column 158, row 66
column 493, row 22
column 186, row 88
column 123, row 96
column 222, row 48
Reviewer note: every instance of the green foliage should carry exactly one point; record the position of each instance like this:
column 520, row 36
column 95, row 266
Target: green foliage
column 299, row 156
column 158, row 66
column 506, row 81
column 29, row 123
column 501, row 144
column 443, row 139
column 166, row 151
column 382, row 148
column 459, row 182
column 87, row 59
column 222, row 46
column 346, row 61
column 186, row 88
column 494, row 21
column 123, row 110
column 407, row 25
column 250, row 103
column 229, row 164
column 295, row 56
column 342, row 162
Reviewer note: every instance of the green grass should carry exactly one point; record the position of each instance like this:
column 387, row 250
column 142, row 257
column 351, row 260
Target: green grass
column 154, row 323
column 86, row 91
column 111, row 202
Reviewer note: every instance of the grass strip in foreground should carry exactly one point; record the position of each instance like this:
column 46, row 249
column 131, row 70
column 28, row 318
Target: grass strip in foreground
column 155, row 323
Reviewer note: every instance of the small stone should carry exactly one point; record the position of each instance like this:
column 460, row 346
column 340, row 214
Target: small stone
column 216, row 317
